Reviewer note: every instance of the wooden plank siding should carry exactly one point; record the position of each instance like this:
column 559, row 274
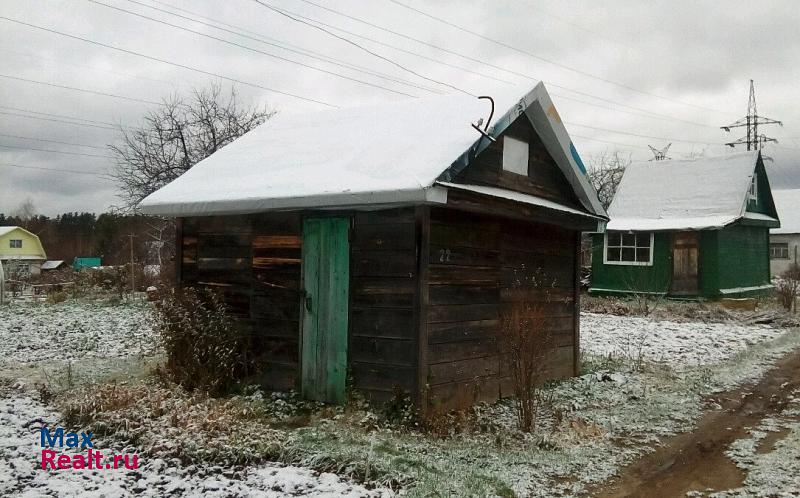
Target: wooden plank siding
column 544, row 178
column 478, row 265
column 254, row 260
column 383, row 298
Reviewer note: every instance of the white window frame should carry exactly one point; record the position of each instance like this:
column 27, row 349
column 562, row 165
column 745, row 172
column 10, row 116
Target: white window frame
column 752, row 193
column 627, row 263
column 11, row 244
column 516, row 155
column 783, row 245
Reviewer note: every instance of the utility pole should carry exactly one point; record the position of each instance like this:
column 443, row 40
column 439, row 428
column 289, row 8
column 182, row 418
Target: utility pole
column 752, row 139
column 660, row 154
column 133, row 272
column 2, row 285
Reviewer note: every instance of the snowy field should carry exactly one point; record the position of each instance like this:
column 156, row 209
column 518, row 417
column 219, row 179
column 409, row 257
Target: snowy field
column 33, row 332
column 20, row 420
column 583, row 435
column 88, row 334
column 679, row 344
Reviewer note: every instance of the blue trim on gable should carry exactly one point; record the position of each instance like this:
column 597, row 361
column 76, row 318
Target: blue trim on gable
column 576, row 157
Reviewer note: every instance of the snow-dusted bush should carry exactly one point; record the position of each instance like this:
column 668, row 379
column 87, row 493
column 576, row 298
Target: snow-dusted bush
column 204, row 347
column 788, row 286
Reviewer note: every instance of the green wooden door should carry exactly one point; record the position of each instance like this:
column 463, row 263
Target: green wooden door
column 326, row 280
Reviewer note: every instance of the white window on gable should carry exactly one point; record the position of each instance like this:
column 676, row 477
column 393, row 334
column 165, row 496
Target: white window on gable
column 15, row 243
column 515, row 156
column 753, row 193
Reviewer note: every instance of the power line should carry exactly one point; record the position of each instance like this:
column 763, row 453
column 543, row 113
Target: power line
column 91, row 68
column 534, row 56
column 15, row 114
column 55, row 151
column 239, row 31
column 60, row 170
column 50, row 141
column 361, row 47
column 638, row 134
column 245, row 47
column 76, row 89
column 113, row 126
column 163, row 61
column 607, row 141
column 483, row 62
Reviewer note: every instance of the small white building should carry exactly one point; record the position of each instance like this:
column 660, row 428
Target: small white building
column 784, row 242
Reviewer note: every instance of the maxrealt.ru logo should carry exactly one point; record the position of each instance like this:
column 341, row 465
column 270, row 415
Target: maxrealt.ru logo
column 92, row 459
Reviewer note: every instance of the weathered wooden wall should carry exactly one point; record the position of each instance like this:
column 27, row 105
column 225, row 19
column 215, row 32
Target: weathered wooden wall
column 383, row 286
column 544, row 178
column 255, row 262
column 478, row 267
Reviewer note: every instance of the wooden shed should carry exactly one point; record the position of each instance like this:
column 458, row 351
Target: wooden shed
column 688, row 229
column 375, row 248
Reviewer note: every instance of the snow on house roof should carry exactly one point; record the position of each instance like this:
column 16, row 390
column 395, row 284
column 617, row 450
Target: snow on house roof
column 5, row 230
column 787, row 202
column 384, row 154
column 695, row 194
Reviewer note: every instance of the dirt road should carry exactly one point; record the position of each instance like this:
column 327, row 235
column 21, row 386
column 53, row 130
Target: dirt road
column 696, row 461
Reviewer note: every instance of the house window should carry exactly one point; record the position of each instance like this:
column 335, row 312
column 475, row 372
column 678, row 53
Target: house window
column 779, row 250
column 629, row 248
column 515, row 156
column 753, row 193
column 15, row 243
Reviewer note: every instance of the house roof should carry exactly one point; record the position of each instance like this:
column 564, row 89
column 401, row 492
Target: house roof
column 695, row 194
column 787, row 202
column 385, row 154
column 37, row 254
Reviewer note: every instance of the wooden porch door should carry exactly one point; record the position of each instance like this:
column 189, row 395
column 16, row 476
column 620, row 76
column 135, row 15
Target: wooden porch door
column 326, row 280
column 685, row 248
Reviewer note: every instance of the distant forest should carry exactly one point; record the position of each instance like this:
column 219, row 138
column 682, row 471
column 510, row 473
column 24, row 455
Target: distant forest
column 71, row 235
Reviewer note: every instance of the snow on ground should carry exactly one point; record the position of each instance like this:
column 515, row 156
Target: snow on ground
column 679, row 344
column 21, row 417
column 33, row 332
column 91, row 336
column 771, row 471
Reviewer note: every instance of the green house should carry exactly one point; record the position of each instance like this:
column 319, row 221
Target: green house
column 691, row 228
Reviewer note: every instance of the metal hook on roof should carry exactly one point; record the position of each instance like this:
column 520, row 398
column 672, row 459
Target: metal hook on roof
column 485, row 130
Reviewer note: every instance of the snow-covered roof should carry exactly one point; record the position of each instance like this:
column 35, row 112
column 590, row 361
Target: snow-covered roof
column 787, row 203
column 384, row 154
column 5, row 230
column 694, row 194
column 52, row 264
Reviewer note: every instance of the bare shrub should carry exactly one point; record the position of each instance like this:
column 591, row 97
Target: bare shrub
column 638, row 283
column 788, row 287
column 529, row 345
column 205, row 349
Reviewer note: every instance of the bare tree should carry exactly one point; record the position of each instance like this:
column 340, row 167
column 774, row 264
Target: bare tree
column 176, row 136
column 605, row 172
column 528, row 342
column 25, row 212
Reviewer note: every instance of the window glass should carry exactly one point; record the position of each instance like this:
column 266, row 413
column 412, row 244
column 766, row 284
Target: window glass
column 15, row 243
column 625, row 247
column 515, row 156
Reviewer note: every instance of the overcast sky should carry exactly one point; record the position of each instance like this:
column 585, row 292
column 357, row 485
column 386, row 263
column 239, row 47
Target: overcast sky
column 675, row 71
